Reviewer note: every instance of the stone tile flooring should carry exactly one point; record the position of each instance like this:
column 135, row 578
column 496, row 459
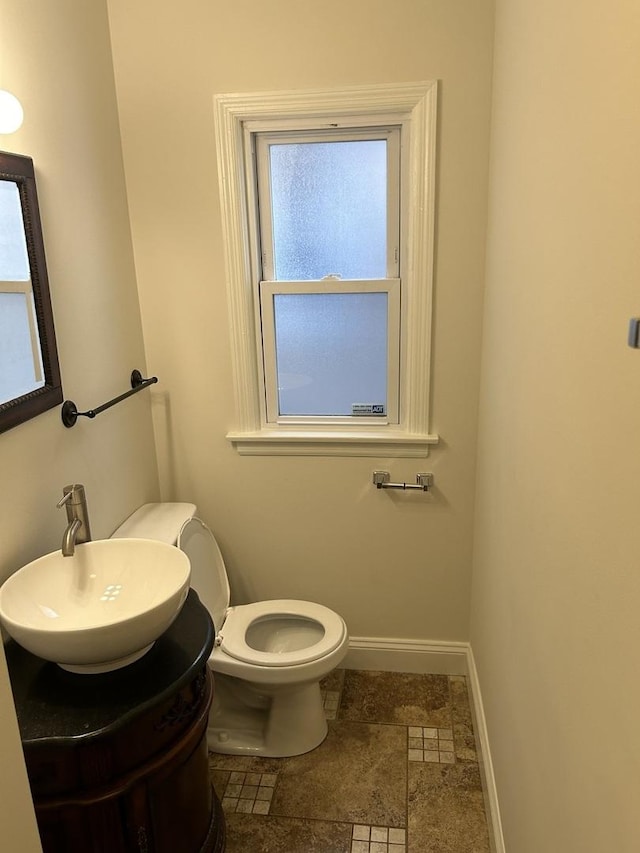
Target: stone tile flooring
column 397, row 773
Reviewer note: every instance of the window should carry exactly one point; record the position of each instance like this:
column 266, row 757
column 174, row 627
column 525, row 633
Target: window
column 329, row 301
column 329, row 255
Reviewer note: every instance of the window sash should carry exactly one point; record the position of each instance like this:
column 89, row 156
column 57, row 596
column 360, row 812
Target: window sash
column 262, row 142
column 266, row 292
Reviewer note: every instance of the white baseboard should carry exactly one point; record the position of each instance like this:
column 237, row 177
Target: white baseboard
column 439, row 658
column 396, row 655
column 486, row 764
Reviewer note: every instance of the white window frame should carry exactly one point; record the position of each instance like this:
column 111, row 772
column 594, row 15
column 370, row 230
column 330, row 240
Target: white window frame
column 238, row 117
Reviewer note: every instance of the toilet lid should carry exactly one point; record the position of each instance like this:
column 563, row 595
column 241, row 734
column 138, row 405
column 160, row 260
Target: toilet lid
column 208, row 573
column 239, row 619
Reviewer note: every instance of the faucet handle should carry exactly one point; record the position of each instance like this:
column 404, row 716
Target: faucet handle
column 72, row 493
column 66, row 497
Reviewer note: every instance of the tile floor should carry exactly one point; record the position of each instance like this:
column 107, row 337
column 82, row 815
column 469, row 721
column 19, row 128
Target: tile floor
column 397, row 773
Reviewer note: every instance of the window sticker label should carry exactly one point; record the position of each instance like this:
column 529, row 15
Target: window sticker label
column 368, row 409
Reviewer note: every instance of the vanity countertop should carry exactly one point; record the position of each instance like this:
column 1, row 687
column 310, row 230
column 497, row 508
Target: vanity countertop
column 54, row 706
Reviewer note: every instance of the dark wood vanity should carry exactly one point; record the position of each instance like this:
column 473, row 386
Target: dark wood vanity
column 118, row 762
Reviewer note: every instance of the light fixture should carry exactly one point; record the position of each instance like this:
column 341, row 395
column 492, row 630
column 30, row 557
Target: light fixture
column 11, row 113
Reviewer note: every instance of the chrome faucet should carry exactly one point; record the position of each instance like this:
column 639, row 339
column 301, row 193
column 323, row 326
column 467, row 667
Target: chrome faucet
column 78, row 530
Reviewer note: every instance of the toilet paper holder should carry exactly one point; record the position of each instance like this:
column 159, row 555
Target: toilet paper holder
column 382, row 480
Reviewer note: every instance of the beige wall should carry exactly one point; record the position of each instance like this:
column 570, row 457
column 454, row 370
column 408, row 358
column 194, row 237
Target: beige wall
column 55, row 58
column 393, row 565
column 555, row 627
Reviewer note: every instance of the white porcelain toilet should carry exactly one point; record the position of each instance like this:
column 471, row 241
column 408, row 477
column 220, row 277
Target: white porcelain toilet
column 268, row 657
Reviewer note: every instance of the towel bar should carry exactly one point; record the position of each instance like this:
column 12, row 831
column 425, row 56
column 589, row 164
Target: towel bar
column 70, row 413
column 381, row 480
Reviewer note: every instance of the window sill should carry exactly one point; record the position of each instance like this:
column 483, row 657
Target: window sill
column 335, row 443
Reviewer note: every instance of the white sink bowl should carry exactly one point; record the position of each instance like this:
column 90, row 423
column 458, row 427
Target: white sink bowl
column 100, row 609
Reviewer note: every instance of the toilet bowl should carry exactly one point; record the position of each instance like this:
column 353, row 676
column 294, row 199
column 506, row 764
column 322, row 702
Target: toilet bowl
column 269, row 656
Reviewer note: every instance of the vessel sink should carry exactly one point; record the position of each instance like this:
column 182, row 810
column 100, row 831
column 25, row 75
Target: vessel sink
column 100, row 609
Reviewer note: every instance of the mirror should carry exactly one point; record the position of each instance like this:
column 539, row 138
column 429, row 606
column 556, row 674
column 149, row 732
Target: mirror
column 29, row 370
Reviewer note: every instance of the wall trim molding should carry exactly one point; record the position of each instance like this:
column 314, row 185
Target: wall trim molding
column 237, row 117
column 486, row 765
column 440, row 658
column 402, row 655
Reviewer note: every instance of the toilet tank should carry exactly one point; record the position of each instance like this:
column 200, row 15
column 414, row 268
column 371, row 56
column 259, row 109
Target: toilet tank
column 161, row 521
column 176, row 524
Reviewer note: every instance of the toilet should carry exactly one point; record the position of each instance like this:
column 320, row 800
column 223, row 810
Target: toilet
column 268, row 658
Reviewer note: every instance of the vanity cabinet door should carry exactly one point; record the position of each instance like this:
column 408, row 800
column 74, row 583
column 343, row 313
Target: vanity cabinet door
column 164, row 805
column 178, row 791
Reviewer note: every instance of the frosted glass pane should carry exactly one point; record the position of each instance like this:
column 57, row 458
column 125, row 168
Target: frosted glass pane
column 14, row 261
column 331, row 352
column 329, row 209
column 17, row 367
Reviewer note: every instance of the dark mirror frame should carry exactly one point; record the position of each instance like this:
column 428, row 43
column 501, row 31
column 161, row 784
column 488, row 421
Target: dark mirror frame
column 19, row 169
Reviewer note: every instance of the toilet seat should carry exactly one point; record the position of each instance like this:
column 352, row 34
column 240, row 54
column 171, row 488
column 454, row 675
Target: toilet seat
column 233, row 635
column 232, row 623
column 208, row 572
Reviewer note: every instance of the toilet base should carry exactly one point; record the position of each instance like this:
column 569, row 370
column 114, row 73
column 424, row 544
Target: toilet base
column 272, row 721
